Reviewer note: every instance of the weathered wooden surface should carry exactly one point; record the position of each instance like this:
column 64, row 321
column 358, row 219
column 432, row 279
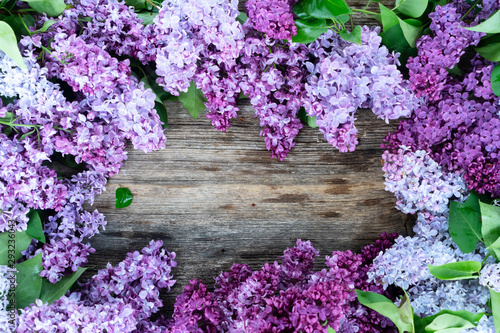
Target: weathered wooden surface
column 217, row 198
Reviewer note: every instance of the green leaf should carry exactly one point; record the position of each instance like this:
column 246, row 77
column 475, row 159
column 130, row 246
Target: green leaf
column 465, row 223
column 137, row 4
column 405, row 310
column 29, row 281
column 46, row 25
column 8, row 118
column 161, row 109
column 337, row 7
column 421, row 324
column 309, row 31
column 50, row 7
column 193, row 100
column 490, row 52
column 388, row 17
column 490, row 26
column 321, row 9
column 411, row 31
column 330, row 330
column 411, row 8
column 35, row 228
column 147, row 17
column 8, row 44
column 242, row 18
column 25, row 135
column 304, row 118
column 449, row 323
column 11, row 245
column 495, row 308
column 456, row 270
column 385, row 307
column 123, row 197
column 490, row 216
column 495, row 80
column 53, row 291
column 19, row 24
column 353, row 37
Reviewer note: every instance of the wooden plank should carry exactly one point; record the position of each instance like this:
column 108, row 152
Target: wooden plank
column 216, row 198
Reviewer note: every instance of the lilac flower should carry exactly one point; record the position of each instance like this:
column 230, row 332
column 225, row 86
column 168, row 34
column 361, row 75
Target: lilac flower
column 275, row 19
column 418, row 182
column 490, row 276
column 348, row 76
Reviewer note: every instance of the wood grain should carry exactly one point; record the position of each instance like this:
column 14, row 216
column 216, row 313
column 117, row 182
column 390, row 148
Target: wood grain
column 216, row 198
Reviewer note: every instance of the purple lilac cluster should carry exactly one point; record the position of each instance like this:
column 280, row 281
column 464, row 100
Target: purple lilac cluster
column 345, row 76
column 274, row 18
column 428, row 294
column 490, row 276
column 117, row 299
column 459, row 124
column 186, row 32
column 286, row 297
column 272, row 75
column 114, row 27
column 419, row 183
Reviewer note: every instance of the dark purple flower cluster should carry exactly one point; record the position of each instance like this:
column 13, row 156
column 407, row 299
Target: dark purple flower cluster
column 117, row 299
column 286, row 297
column 459, row 124
column 274, row 18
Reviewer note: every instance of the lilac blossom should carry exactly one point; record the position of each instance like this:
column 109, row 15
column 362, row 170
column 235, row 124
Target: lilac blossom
column 490, row 277
column 187, row 31
column 344, row 77
column 419, row 183
column 275, row 18
column 459, row 125
column 428, row 294
column 117, row 299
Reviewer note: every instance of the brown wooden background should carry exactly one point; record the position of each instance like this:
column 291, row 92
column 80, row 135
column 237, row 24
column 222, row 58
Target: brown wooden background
column 216, row 198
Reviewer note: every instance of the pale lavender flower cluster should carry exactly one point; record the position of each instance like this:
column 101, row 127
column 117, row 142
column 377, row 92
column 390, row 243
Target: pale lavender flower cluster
column 185, row 30
column 274, row 18
column 405, row 265
column 419, row 183
column 117, row 299
column 490, row 276
column 345, row 76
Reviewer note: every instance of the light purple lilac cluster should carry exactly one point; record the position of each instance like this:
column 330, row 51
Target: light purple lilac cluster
column 490, row 276
column 274, row 18
column 419, row 183
column 458, row 125
column 188, row 32
column 428, row 294
column 345, row 76
column 286, row 297
column 272, row 73
column 117, row 299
